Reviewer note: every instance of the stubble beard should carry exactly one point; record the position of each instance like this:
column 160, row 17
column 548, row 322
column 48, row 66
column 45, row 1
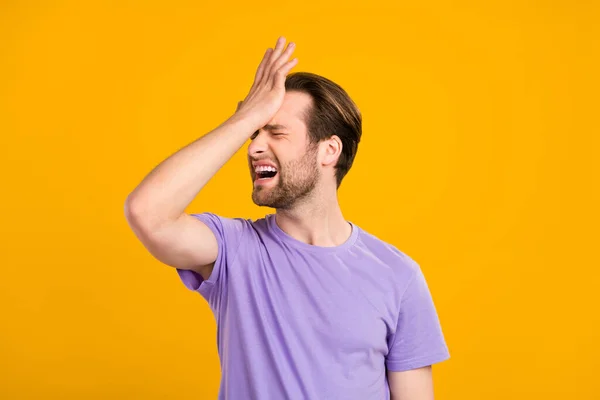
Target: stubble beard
column 295, row 181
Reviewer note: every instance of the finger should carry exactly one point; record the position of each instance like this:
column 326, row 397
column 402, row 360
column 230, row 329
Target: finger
column 238, row 106
column 285, row 56
column 262, row 66
column 282, row 72
column 275, row 55
column 279, row 45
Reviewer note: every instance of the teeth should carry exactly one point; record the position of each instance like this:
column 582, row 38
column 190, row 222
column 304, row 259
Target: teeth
column 265, row 168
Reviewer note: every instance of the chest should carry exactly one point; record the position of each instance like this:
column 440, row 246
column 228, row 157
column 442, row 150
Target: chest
column 328, row 302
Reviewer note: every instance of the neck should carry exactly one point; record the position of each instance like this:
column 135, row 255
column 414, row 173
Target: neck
column 317, row 220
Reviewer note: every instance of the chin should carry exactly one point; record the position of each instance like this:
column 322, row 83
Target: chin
column 263, row 199
column 259, row 198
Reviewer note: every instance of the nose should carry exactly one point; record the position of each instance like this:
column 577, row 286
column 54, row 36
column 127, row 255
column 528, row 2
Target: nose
column 258, row 145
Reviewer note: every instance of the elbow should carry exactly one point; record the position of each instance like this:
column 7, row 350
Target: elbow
column 143, row 216
column 131, row 208
column 139, row 221
column 137, row 213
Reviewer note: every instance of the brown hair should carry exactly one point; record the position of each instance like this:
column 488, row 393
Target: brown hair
column 333, row 113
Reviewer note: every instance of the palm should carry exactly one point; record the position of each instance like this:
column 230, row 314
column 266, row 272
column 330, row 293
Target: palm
column 268, row 90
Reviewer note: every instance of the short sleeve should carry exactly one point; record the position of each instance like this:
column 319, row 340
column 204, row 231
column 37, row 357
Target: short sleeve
column 418, row 340
column 229, row 234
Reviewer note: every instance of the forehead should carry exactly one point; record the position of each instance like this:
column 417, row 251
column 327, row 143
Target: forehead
column 292, row 112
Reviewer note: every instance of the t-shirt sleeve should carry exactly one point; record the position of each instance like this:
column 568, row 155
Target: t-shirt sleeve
column 229, row 233
column 418, row 340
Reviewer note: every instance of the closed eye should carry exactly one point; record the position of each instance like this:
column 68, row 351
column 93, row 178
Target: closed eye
column 272, row 133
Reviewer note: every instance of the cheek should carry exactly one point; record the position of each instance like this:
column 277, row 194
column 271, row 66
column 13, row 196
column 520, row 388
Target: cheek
column 291, row 156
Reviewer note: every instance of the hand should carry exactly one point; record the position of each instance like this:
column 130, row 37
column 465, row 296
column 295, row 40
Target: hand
column 268, row 90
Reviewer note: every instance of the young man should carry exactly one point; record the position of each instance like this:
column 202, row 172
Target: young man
column 307, row 304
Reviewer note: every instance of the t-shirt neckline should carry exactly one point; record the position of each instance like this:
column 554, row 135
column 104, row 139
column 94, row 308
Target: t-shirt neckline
column 311, row 247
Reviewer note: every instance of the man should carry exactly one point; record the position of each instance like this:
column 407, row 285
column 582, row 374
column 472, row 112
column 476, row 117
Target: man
column 308, row 305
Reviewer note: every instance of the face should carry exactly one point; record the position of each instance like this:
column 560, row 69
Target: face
column 283, row 165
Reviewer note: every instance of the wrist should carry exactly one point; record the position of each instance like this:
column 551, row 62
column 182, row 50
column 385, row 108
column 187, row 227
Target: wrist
column 244, row 122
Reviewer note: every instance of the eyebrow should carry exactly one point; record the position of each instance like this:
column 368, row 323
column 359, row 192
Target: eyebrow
column 273, row 127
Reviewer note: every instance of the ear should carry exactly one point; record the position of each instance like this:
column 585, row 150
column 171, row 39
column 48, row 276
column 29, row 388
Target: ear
column 331, row 150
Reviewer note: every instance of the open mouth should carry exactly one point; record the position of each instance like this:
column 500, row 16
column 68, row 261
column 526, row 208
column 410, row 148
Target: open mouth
column 264, row 173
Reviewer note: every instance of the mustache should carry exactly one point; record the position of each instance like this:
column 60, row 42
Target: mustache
column 260, row 158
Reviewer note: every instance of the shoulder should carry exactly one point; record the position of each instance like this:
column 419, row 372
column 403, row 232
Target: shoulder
column 403, row 266
column 226, row 222
column 231, row 228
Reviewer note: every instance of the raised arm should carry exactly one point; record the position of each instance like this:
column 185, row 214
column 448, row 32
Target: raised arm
column 155, row 209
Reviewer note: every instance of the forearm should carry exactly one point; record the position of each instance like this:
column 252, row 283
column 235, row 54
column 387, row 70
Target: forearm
column 164, row 194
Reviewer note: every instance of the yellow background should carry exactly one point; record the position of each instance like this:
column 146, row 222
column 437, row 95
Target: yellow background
column 479, row 159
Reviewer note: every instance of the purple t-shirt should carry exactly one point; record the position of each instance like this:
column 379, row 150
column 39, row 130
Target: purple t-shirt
column 298, row 321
